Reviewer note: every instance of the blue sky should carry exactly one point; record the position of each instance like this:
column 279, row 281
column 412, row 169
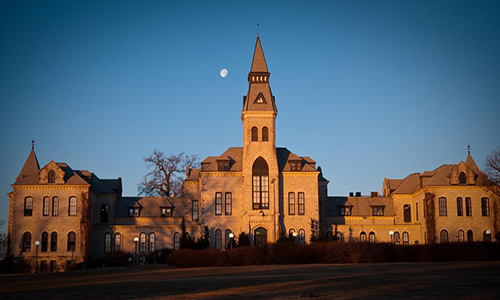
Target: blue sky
column 369, row 89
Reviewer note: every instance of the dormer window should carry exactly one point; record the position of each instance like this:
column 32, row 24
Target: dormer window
column 462, row 178
column 223, row 165
column 345, row 210
column 134, row 211
column 166, row 211
column 377, row 210
column 52, row 176
column 295, row 165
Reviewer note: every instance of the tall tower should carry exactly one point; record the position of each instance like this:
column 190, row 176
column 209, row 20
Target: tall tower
column 260, row 165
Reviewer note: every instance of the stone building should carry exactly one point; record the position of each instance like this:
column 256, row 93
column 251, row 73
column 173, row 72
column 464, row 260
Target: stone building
column 258, row 189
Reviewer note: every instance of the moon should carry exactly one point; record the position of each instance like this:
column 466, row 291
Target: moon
column 223, row 73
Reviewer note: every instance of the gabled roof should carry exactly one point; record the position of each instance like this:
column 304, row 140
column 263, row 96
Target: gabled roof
column 361, row 206
column 29, row 172
column 150, row 206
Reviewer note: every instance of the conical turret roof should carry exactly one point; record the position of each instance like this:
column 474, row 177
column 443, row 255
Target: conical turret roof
column 29, row 173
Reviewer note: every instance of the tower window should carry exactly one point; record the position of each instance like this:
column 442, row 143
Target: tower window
column 265, row 134
column 255, row 134
column 260, row 184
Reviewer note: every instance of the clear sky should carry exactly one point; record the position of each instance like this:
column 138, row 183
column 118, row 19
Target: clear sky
column 369, row 89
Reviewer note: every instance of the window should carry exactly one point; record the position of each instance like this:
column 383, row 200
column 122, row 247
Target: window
column 295, row 165
column 265, row 134
column 52, row 176
column 487, row 236
column 407, row 213
column 72, row 206
column 406, row 238
column 71, row 241
column 443, row 236
column 164, row 211
column 118, row 242
column 302, row 204
column 442, row 207
column 462, row 178
column 195, row 210
column 302, row 237
column 53, row 242
column 377, row 210
column 134, row 211
column 223, row 165
column 461, row 236
column 107, row 242
column 26, row 242
column 341, row 236
column 416, row 210
column 362, row 237
column 46, row 206
column 176, row 241
column 468, row 207
column 142, row 242
column 227, row 239
column 460, row 207
column 291, row 203
column 470, row 236
column 255, row 134
column 396, row 238
column 485, row 207
column 55, row 206
column 371, row 237
column 345, row 210
column 260, row 184
column 229, row 204
column 152, row 242
column 45, row 242
column 218, row 204
column 28, row 206
column 218, row 239
column 104, row 213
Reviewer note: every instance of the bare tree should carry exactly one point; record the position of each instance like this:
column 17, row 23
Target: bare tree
column 167, row 173
column 3, row 243
column 492, row 170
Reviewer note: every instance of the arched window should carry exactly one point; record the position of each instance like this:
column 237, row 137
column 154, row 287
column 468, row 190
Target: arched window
column 460, row 207
column 255, row 134
column 229, row 204
column 53, row 242
column 26, row 242
column 227, row 239
column 52, row 176
column 443, row 236
column 45, row 242
column 371, row 237
column 470, row 236
column 302, row 237
column 72, row 206
column 485, row 207
column 302, row 203
column 218, row 239
column 107, row 242
column 468, row 207
column 260, row 236
column 118, row 242
column 152, row 242
column 55, row 206
column 291, row 231
column 462, row 178
column 291, row 203
column 176, row 241
column 104, row 213
column 406, row 238
column 443, row 210
column 71, row 241
column 218, row 204
column 397, row 240
column 260, row 184
column 142, row 242
column 407, row 212
column 46, row 206
column 461, row 236
column 487, row 236
column 362, row 237
column 28, row 206
column 265, row 134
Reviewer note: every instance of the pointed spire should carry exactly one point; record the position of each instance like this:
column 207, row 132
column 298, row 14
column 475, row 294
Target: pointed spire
column 29, row 172
column 470, row 161
column 259, row 62
column 468, row 149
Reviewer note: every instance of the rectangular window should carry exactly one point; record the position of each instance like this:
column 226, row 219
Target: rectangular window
column 223, row 165
column 443, row 211
column 196, row 215
column 377, row 210
column 218, row 204
column 302, row 204
column 28, row 207
column 55, row 206
column 72, row 206
column 134, row 211
column 416, row 209
column 164, row 211
column 460, row 207
column 229, row 204
column 265, row 192
column 485, row 207
column 468, row 207
column 256, row 192
column 345, row 210
column 291, row 204
column 407, row 213
column 46, row 206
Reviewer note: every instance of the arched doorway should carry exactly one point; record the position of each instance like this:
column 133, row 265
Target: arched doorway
column 260, row 237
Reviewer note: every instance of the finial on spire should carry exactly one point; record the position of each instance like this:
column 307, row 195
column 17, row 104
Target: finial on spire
column 468, row 149
column 258, row 29
column 32, row 144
